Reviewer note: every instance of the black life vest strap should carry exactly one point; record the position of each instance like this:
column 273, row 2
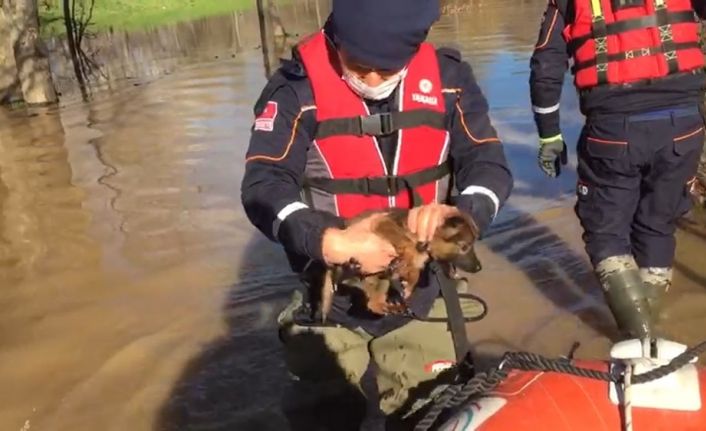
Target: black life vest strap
column 600, row 37
column 390, row 185
column 666, row 37
column 380, row 124
column 635, row 53
column 619, row 27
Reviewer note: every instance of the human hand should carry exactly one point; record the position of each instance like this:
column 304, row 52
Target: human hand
column 358, row 242
column 424, row 220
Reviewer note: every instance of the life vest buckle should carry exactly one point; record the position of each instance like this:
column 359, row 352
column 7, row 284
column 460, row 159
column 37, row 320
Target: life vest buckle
column 387, row 185
column 376, row 124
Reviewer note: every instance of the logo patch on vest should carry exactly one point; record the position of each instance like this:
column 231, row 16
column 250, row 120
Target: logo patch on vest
column 425, row 86
column 266, row 121
column 425, row 100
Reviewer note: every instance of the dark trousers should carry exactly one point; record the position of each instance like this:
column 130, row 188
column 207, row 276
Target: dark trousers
column 632, row 173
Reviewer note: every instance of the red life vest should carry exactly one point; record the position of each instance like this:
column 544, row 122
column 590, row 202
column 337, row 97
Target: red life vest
column 352, row 174
column 630, row 44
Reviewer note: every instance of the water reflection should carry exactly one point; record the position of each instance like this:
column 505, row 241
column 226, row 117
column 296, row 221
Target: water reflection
column 125, row 256
column 37, row 190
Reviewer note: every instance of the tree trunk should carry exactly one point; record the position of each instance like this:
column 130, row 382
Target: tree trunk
column 236, row 20
column 32, row 63
column 264, row 37
column 73, row 49
column 9, row 83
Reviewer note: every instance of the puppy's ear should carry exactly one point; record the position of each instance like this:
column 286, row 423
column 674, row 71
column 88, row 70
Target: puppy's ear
column 458, row 221
column 474, row 227
column 454, row 222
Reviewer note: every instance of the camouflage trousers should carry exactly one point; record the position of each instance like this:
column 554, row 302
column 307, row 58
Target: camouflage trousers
column 343, row 377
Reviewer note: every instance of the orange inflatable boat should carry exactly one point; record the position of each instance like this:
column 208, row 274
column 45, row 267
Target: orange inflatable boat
column 550, row 401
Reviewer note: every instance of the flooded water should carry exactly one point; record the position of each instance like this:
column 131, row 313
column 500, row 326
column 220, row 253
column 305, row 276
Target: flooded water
column 137, row 296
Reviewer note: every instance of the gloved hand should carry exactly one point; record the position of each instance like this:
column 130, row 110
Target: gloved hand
column 552, row 154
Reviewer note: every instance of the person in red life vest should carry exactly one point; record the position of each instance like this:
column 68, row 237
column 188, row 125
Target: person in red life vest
column 367, row 115
column 638, row 70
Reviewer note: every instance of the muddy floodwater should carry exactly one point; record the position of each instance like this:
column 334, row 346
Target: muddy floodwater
column 135, row 295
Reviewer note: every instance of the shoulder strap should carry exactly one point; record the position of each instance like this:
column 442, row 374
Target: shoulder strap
column 664, row 27
column 600, row 38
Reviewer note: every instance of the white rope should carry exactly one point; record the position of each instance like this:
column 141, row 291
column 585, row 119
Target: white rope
column 627, row 401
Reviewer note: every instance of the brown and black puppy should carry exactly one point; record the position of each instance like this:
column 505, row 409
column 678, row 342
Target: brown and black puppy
column 452, row 244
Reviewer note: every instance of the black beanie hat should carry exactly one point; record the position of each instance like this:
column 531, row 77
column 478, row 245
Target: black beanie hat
column 382, row 34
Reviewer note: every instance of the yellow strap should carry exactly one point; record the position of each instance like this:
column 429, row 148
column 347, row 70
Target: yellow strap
column 597, row 9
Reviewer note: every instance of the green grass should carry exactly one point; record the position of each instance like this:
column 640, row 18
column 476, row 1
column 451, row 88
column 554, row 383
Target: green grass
column 137, row 14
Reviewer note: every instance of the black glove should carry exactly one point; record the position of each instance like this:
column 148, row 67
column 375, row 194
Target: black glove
column 552, row 154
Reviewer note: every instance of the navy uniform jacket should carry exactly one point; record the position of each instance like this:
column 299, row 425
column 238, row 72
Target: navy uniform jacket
column 276, row 161
column 550, row 61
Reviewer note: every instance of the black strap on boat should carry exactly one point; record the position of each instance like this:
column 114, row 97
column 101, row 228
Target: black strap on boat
column 636, row 24
column 635, row 53
column 390, row 185
column 380, row 124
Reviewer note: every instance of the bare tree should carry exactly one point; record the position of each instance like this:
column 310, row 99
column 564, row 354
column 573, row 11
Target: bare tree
column 265, row 37
column 20, row 29
column 78, row 15
column 9, row 81
column 73, row 40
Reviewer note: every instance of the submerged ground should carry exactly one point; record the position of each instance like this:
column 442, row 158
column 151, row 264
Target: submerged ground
column 135, row 295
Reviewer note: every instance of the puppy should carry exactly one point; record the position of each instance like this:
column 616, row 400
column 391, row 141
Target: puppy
column 452, row 244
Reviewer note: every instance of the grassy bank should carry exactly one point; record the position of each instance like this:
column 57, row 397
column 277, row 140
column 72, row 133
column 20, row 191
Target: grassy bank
column 136, row 14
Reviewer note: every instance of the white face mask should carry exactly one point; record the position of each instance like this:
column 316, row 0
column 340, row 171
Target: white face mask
column 379, row 92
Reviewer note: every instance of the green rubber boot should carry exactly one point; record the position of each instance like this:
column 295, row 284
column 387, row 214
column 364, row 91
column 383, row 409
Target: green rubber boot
column 657, row 281
column 626, row 295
